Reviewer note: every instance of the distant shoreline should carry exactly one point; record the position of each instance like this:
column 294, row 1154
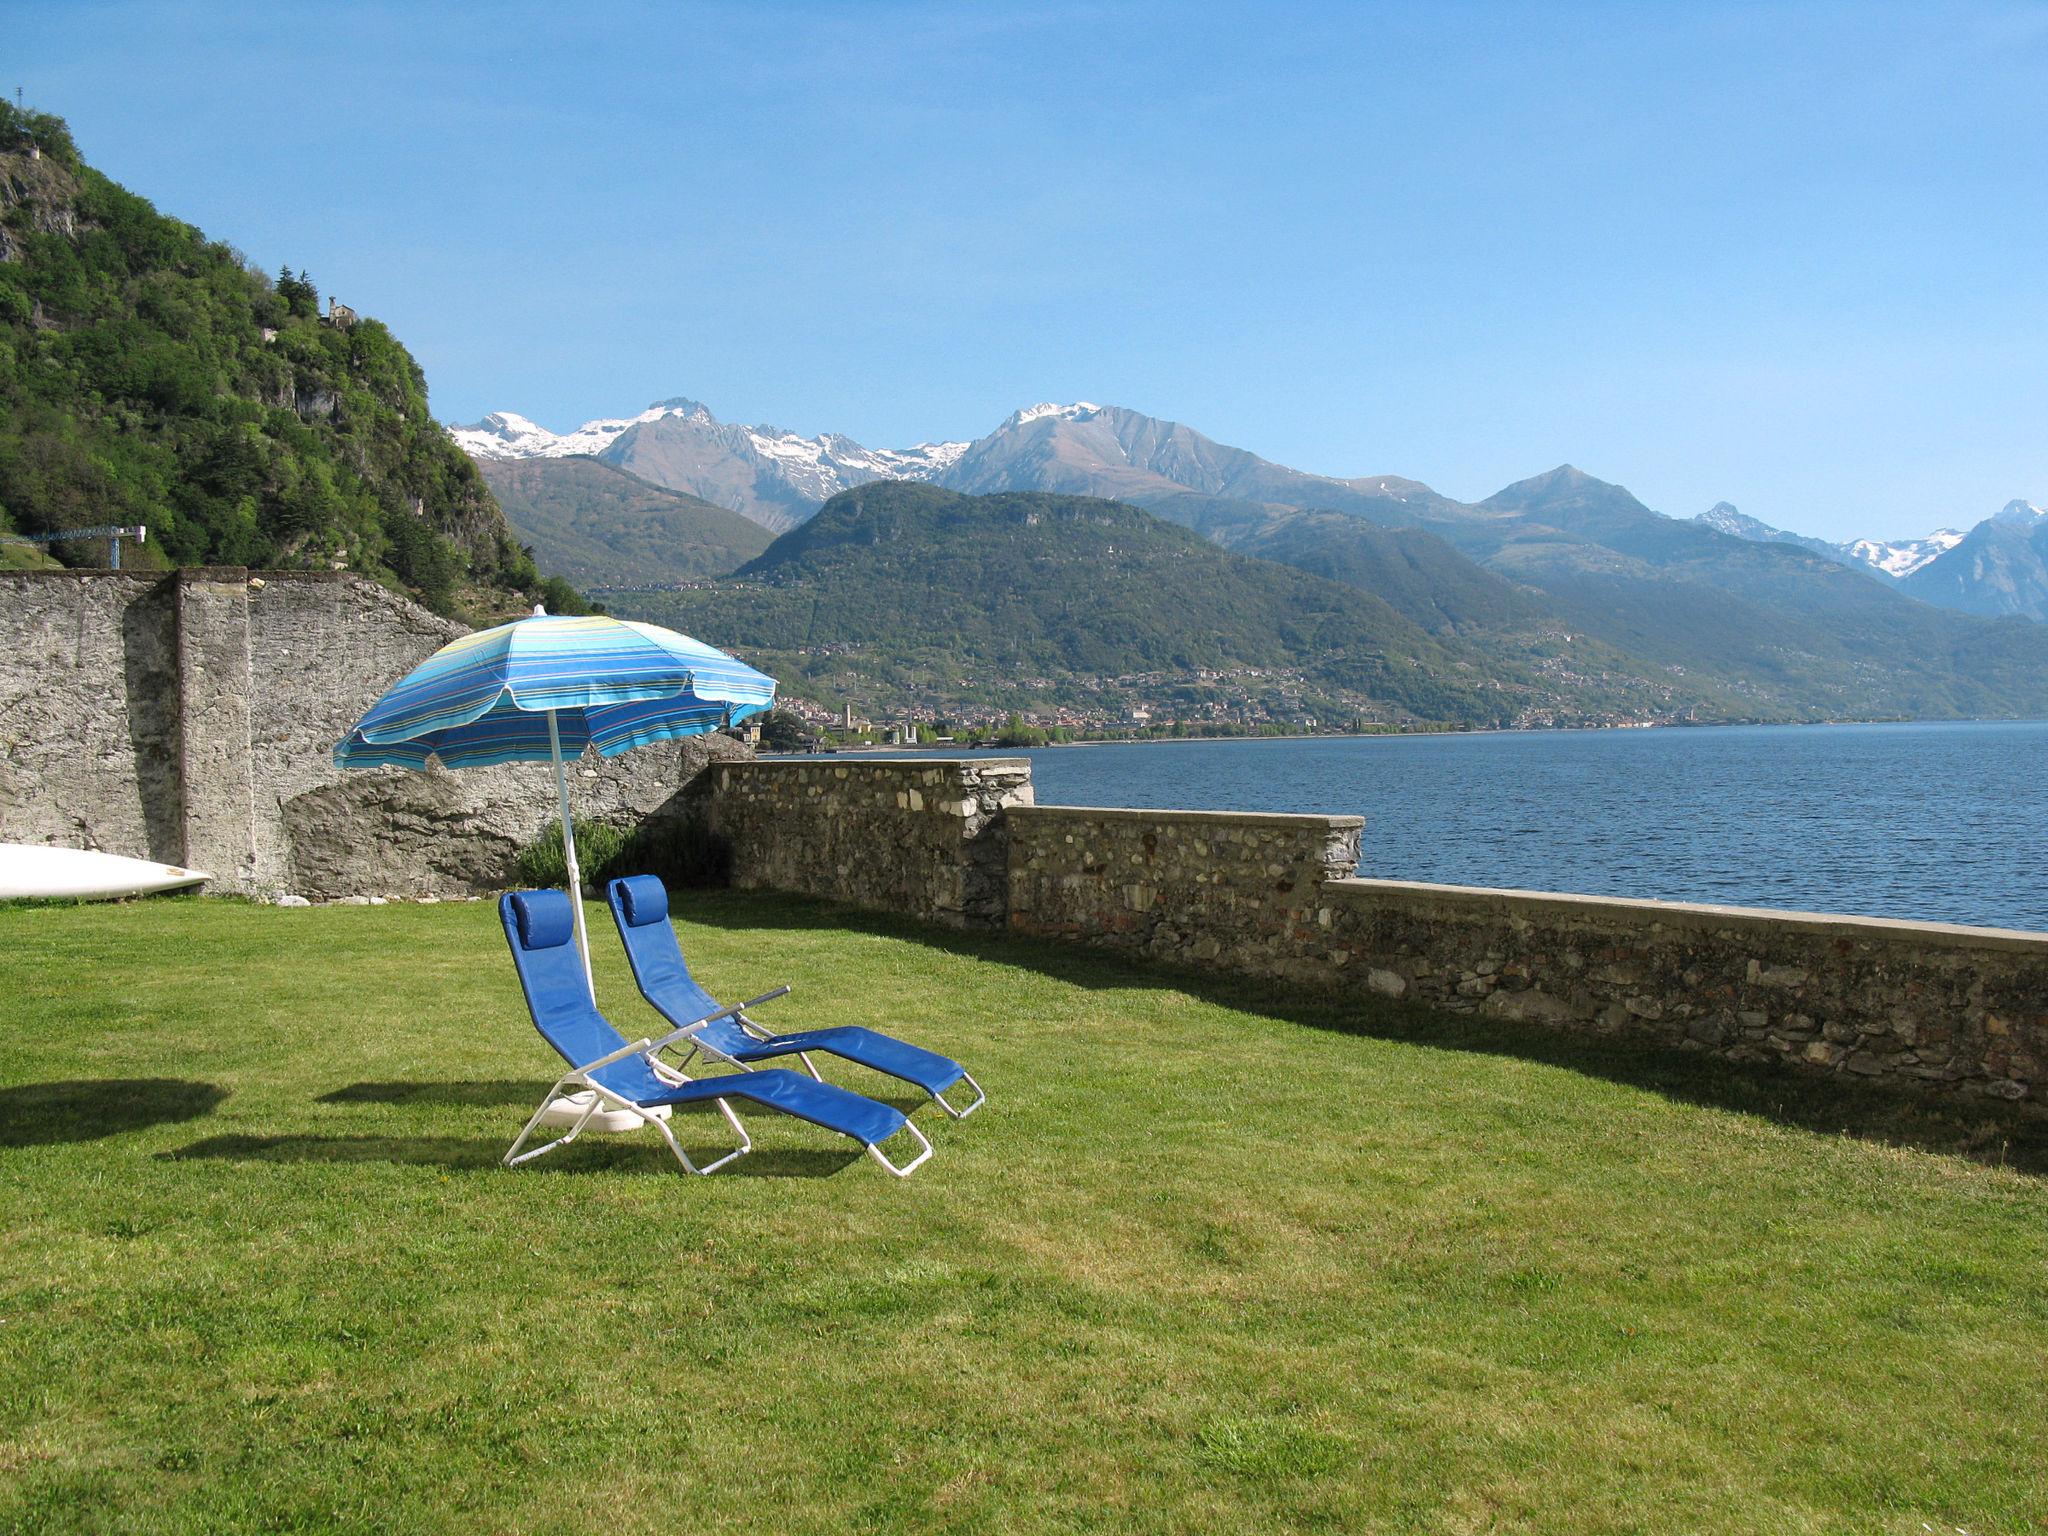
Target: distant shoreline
column 955, row 749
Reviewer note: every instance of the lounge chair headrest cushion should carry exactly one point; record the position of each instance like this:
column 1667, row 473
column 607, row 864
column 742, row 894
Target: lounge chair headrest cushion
column 544, row 918
column 644, row 900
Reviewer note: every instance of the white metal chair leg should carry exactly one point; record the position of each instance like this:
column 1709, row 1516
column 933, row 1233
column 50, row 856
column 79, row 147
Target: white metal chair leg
column 733, row 1120
column 746, row 1143
column 908, row 1168
column 809, row 1065
column 512, row 1152
column 513, row 1156
column 980, row 1098
column 601, row 1096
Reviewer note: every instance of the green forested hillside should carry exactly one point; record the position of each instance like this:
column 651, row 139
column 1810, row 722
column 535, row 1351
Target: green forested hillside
column 1769, row 630
column 149, row 375
column 900, row 594
column 1414, row 570
column 599, row 526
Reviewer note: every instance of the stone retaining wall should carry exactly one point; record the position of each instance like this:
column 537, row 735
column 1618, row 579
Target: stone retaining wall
column 1929, row 1004
column 89, row 706
column 1925, row 1003
column 1935, row 1007
column 1217, row 889
column 187, row 717
column 921, row 836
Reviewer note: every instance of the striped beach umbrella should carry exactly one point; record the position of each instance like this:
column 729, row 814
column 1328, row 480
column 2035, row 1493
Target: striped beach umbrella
column 544, row 688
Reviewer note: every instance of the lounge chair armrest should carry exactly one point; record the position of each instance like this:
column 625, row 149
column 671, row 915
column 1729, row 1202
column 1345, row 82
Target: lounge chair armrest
column 620, row 1054
column 684, row 1032
column 758, row 1031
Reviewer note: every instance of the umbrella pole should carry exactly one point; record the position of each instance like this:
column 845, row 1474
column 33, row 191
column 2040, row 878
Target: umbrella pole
column 569, row 850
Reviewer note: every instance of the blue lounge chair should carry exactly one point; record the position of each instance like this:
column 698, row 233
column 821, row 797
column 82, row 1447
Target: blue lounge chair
column 640, row 908
column 628, row 1079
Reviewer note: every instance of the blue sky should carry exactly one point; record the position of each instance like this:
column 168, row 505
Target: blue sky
column 1791, row 256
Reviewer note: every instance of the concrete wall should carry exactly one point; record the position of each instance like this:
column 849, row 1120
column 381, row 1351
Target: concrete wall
column 1927, row 1003
column 321, row 650
column 89, row 745
column 1934, row 1007
column 1222, row 890
column 923, row 836
column 188, row 718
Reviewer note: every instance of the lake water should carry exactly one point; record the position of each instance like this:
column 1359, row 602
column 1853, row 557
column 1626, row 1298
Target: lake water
column 1939, row 821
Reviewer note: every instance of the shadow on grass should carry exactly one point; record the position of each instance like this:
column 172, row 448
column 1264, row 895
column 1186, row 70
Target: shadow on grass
column 477, row 1094
column 1985, row 1132
column 590, row 1154
column 39, row 1114
column 488, row 1093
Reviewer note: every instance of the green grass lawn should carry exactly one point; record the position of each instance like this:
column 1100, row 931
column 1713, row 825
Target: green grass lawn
column 1201, row 1264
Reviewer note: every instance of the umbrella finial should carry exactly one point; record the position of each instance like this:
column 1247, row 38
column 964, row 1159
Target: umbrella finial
column 540, row 610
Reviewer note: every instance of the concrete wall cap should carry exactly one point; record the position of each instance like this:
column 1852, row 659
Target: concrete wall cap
column 1482, row 898
column 192, row 573
column 860, row 760
column 1291, row 820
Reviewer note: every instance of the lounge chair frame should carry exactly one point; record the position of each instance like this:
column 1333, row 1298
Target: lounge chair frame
column 764, row 1034
column 580, row 1079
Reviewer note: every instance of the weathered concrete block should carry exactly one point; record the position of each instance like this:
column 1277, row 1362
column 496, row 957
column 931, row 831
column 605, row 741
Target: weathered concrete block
column 215, row 770
column 928, row 837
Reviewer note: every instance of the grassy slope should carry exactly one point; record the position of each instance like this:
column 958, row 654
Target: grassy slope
column 1195, row 1267
column 26, row 557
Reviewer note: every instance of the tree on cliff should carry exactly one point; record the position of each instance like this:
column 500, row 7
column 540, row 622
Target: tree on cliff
column 150, row 375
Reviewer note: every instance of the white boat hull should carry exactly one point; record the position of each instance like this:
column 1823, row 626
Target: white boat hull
column 80, row 874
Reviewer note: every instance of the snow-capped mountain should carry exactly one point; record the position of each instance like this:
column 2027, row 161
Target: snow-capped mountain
column 1998, row 567
column 508, row 435
column 1080, row 410
column 1085, row 449
column 1724, row 518
column 779, row 478
column 1900, row 558
column 776, row 477
column 1894, row 559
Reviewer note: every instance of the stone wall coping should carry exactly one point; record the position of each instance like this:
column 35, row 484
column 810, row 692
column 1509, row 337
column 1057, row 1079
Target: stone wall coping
column 183, row 573
column 1508, row 902
column 1292, row 820
column 863, row 760
column 315, row 578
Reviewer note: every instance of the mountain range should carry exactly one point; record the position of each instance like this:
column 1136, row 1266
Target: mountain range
column 779, row 478
column 1581, row 602
column 1894, row 558
column 1084, row 611
column 776, row 478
